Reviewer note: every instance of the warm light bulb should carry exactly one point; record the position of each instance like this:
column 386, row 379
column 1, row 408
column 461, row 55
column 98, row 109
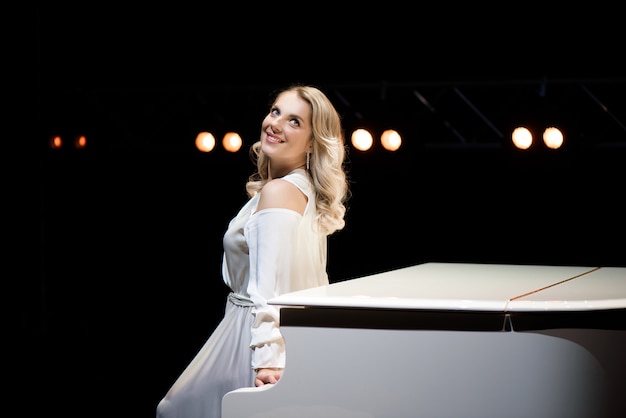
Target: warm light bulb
column 205, row 141
column 80, row 142
column 232, row 142
column 362, row 139
column 553, row 137
column 522, row 138
column 56, row 142
column 391, row 140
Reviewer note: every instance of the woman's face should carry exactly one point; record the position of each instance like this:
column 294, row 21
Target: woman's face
column 286, row 130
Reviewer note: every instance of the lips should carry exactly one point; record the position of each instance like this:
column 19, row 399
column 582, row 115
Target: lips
column 274, row 139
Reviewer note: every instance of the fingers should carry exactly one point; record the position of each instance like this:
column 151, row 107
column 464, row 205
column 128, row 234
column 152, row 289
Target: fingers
column 258, row 382
column 267, row 376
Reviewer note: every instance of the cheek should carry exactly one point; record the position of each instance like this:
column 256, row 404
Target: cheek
column 265, row 123
column 303, row 138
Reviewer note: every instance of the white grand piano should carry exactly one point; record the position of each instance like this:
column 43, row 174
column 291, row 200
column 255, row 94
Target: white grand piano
column 451, row 340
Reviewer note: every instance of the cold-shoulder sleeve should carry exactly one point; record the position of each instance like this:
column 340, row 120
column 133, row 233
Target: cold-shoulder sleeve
column 272, row 236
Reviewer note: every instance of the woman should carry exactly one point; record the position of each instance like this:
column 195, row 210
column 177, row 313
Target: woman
column 276, row 244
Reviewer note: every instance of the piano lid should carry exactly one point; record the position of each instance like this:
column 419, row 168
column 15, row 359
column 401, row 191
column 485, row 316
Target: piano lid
column 600, row 289
column 472, row 287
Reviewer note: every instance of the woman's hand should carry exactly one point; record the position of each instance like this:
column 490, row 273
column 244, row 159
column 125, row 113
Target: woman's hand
column 265, row 376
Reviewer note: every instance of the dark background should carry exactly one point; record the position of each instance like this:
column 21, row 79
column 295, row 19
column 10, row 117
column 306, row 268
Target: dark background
column 118, row 257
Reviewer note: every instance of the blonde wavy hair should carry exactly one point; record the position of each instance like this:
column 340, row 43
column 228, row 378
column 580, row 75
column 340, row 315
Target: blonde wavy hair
column 327, row 161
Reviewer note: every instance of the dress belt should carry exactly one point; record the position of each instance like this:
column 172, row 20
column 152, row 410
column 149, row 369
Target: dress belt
column 240, row 300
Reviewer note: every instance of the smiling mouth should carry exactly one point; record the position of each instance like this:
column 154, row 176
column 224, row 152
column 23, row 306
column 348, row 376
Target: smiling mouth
column 271, row 138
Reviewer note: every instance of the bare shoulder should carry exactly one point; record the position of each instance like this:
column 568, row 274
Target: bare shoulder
column 280, row 193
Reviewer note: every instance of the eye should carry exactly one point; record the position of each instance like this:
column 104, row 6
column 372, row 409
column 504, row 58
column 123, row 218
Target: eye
column 294, row 122
column 274, row 111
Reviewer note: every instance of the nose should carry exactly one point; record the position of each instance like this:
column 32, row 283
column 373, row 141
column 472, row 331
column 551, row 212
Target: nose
column 276, row 124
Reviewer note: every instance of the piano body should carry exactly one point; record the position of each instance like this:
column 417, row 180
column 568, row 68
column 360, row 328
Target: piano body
column 451, row 340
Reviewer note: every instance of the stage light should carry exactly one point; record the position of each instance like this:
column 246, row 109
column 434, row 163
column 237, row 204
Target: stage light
column 80, row 142
column 205, row 141
column 553, row 137
column 522, row 137
column 232, row 142
column 391, row 140
column 56, row 142
column 362, row 139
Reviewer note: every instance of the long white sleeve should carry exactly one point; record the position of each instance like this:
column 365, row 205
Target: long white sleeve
column 272, row 236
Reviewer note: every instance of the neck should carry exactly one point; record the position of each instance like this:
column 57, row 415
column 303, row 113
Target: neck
column 277, row 172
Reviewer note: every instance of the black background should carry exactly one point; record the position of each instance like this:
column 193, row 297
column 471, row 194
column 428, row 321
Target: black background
column 118, row 277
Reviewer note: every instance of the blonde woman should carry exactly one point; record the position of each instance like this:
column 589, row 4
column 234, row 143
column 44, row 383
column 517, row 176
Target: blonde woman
column 277, row 243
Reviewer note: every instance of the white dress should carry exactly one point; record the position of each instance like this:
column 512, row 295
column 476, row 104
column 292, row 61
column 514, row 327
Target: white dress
column 266, row 253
